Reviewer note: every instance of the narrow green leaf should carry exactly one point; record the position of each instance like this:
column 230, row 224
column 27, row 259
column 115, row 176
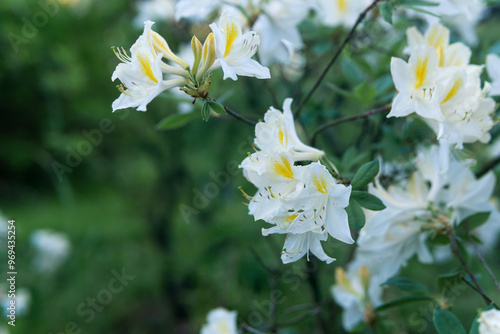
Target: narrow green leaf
column 401, row 301
column 205, row 112
column 447, row 281
column 175, row 121
column 367, row 200
column 355, row 215
column 365, row 92
column 407, row 284
column 386, row 12
column 217, row 107
column 446, row 322
column 365, row 175
column 472, row 222
column 419, row 3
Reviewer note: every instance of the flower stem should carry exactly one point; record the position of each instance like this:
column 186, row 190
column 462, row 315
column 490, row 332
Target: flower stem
column 360, row 19
column 347, row 119
column 483, row 262
column 476, row 285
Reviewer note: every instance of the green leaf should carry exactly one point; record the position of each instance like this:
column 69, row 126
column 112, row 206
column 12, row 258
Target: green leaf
column 407, row 284
column 446, row 322
column 418, row 3
column 365, row 175
column 175, row 121
column 386, row 12
column 474, row 329
column 367, row 200
column 472, row 222
column 401, row 301
column 365, row 93
column 217, row 107
column 205, row 112
column 447, row 281
column 355, row 215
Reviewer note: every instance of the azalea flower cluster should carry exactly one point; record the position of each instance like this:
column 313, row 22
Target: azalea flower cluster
column 303, row 201
column 143, row 73
column 440, row 85
column 428, row 205
column 276, row 21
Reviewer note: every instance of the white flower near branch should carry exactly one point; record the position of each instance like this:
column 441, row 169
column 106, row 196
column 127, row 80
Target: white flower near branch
column 489, row 322
column 493, row 67
column 277, row 132
column 141, row 73
column 439, row 85
column 341, row 12
column 234, row 49
column 220, row 321
column 357, row 293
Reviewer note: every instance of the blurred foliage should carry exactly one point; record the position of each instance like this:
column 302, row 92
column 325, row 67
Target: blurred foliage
column 122, row 205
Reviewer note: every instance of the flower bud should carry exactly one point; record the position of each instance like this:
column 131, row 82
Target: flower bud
column 209, row 55
column 197, row 51
column 161, row 45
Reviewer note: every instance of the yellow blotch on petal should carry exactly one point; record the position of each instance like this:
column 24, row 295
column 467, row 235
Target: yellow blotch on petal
column 145, row 66
column 342, row 4
column 281, row 136
column 320, row 183
column 440, row 56
column 232, row 32
column 454, row 90
column 421, row 72
column 283, row 168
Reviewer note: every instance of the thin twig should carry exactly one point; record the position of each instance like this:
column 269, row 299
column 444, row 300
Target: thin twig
column 235, row 114
column 483, row 262
column 347, row 119
column 456, row 251
column 360, row 19
column 301, row 317
column 251, row 329
column 489, row 166
column 486, row 298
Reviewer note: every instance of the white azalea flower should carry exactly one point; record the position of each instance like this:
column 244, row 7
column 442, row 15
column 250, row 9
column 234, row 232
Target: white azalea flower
column 489, row 322
column 415, row 82
column 357, row 293
column 154, row 10
column 341, row 12
column 493, row 67
column 298, row 245
column 276, row 178
column 220, row 321
column 197, row 10
column 278, row 22
column 277, row 132
column 234, row 50
column 141, row 73
column 52, row 249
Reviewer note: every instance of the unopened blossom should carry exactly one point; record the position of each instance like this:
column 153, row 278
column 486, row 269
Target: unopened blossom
column 493, row 67
column 141, row 73
column 234, row 49
column 357, row 293
column 220, row 321
column 489, row 322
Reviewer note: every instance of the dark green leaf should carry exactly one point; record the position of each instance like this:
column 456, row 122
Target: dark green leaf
column 217, row 107
column 407, row 284
column 175, row 121
column 401, row 301
column 446, row 322
column 368, row 201
column 355, row 215
column 365, row 93
column 447, row 281
column 365, row 175
column 418, row 3
column 471, row 222
column 205, row 112
column 386, row 12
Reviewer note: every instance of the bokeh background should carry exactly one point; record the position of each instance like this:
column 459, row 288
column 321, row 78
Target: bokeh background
column 164, row 206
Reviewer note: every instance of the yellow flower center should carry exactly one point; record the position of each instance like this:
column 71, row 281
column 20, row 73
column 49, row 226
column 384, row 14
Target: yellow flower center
column 232, row 32
column 342, row 4
column 145, row 66
column 283, row 168
column 320, row 183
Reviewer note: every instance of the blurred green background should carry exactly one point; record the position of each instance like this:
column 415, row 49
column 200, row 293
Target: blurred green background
column 131, row 202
